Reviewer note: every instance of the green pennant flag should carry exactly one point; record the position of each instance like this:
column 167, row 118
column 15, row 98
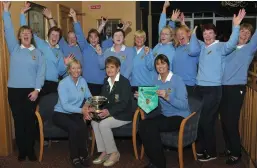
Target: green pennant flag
column 147, row 98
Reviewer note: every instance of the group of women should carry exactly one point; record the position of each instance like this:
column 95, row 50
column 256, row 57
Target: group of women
column 180, row 65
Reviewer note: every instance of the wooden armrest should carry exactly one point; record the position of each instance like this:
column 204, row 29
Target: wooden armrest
column 41, row 129
column 182, row 128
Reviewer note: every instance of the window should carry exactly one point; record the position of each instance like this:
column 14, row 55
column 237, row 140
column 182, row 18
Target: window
column 111, row 25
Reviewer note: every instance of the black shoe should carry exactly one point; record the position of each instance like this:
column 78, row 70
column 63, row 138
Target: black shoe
column 76, row 163
column 21, row 157
column 150, row 165
column 85, row 161
column 200, row 154
column 226, row 153
column 233, row 160
column 206, row 157
column 32, row 157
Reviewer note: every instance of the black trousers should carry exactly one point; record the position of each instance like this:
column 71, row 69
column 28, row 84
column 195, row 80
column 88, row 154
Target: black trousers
column 77, row 130
column 49, row 87
column 23, row 112
column 149, row 131
column 232, row 101
column 95, row 89
column 190, row 90
column 211, row 96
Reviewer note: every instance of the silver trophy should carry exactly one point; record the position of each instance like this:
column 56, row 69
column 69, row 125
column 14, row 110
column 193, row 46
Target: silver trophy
column 97, row 102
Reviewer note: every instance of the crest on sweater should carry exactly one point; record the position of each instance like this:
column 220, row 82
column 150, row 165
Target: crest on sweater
column 209, row 52
column 123, row 57
column 168, row 90
column 117, row 98
column 82, row 89
column 33, row 57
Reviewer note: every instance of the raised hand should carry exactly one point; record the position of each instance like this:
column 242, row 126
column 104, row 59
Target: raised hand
column 237, row 19
column 175, row 15
column 47, row 13
column 6, row 5
column 98, row 49
column 181, row 19
column 68, row 59
column 104, row 20
column 166, row 4
column 194, row 31
column 73, row 15
column 25, row 8
column 147, row 49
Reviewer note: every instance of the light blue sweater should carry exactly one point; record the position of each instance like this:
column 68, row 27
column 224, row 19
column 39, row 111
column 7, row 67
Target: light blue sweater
column 211, row 60
column 178, row 101
column 27, row 65
column 237, row 63
column 141, row 75
column 54, row 57
column 71, row 95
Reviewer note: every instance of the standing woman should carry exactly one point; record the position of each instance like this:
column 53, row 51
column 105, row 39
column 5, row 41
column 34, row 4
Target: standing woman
column 233, row 90
column 26, row 78
column 141, row 75
column 119, row 50
column 70, row 113
column 55, row 60
column 116, row 113
column 92, row 72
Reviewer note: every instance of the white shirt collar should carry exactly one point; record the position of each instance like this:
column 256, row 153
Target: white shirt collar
column 216, row 41
column 240, row 46
column 166, row 43
column 32, row 47
column 139, row 50
column 56, row 46
column 117, row 78
column 168, row 77
column 123, row 47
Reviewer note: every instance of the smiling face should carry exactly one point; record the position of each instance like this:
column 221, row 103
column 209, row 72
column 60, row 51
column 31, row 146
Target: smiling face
column 166, row 35
column 75, row 70
column 72, row 39
column 161, row 66
column 93, row 39
column 244, row 36
column 118, row 38
column 139, row 41
column 182, row 36
column 25, row 37
column 112, row 70
column 54, row 38
column 209, row 36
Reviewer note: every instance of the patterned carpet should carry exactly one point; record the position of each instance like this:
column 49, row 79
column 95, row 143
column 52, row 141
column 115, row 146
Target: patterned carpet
column 57, row 156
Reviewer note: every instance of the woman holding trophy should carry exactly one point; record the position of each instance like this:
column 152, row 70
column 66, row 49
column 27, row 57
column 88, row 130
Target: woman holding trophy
column 115, row 113
column 70, row 112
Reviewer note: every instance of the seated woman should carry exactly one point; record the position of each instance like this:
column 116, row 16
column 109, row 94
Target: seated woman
column 116, row 113
column 72, row 91
column 174, row 105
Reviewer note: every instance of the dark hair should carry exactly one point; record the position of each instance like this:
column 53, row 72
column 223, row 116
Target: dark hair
column 21, row 29
column 113, row 60
column 96, row 32
column 163, row 58
column 209, row 26
column 55, row 28
column 119, row 30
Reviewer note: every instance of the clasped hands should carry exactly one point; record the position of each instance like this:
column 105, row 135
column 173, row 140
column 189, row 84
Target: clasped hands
column 87, row 111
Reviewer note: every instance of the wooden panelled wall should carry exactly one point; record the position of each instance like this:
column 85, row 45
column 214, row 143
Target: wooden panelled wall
column 5, row 114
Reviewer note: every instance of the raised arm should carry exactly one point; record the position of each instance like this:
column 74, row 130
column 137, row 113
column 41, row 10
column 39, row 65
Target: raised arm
column 129, row 63
column 48, row 14
column 230, row 45
column 174, row 17
column 163, row 19
column 102, row 25
column 40, row 71
column 78, row 30
column 64, row 99
column 8, row 28
column 253, row 42
column 194, row 45
column 149, row 59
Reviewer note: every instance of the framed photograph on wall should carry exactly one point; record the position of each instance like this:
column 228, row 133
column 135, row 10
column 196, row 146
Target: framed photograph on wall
column 110, row 27
column 36, row 19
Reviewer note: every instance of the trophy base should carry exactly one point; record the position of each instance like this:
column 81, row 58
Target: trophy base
column 95, row 117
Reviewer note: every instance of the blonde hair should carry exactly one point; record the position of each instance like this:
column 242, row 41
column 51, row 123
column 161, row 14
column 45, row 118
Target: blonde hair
column 73, row 61
column 172, row 33
column 185, row 28
column 140, row 33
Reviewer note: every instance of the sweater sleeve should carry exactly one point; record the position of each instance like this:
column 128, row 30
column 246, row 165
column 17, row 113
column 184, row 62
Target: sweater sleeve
column 82, row 41
column 62, row 68
column 162, row 23
column 178, row 96
column 63, row 44
column 253, row 42
column 149, row 61
column 230, row 45
column 9, row 32
column 40, row 71
column 23, row 21
column 101, row 59
column 64, row 99
column 194, row 46
column 172, row 24
column 129, row 63
column 87, row 93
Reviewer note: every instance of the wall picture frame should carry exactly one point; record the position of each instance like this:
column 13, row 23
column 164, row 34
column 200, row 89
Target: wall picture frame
column 36, row 20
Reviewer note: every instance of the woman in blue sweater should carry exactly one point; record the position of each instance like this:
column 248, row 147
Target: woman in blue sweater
column 233, row 90
column 70, row 112
column 26, row 78
column 174, row 104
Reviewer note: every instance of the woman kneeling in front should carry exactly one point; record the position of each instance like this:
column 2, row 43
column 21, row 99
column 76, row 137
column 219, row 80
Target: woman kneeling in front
column 174, row 108
column 72, row 91
column 116, row 113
